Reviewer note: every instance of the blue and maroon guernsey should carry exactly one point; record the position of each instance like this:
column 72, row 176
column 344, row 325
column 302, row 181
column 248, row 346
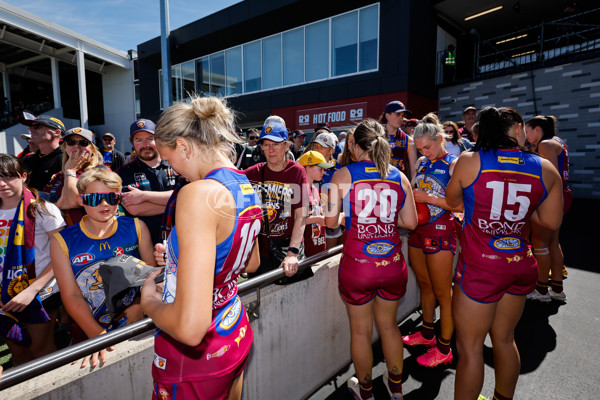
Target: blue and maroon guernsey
column 372, row 237
column 229, row 337
column 498, row 206
column 563, row 162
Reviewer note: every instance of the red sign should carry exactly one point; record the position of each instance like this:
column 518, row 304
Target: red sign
column 341, row 115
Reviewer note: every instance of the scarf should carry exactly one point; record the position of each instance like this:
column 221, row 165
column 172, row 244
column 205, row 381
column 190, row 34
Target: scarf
column 19, row 272
column 168, row 219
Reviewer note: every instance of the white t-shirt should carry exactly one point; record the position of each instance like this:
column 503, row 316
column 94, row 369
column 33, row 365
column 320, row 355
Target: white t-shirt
column 452, row 148
column 44, row 223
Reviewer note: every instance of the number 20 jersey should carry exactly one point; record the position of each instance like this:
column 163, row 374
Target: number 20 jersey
column 229, row 337
column 498, row 206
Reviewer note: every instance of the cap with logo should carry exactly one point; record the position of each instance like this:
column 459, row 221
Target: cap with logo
column 296, row 134
column 85, row 133
column 47, row 120
column 326, row 139
column 141, row 125
column 273, row 131
column 109, row 134
column 396, row 107
column 314, row 158
column 323, row 125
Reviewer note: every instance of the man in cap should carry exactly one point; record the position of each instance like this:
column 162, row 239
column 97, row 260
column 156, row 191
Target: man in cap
column 30, row 148
column 148, row 181
column 113, row 158
column 470, row 117
column 46, row 132
column 404, row 153
column 297, row 147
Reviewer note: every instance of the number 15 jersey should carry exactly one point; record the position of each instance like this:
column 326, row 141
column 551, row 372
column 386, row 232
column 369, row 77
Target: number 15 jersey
column 498, row 206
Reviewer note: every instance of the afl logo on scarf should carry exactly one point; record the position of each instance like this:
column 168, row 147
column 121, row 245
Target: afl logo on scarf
column 229, row 317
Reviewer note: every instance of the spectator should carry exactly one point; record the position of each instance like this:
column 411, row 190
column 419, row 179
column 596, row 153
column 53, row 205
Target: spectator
column 475, row 131
column 449, row 64
column 470, row 117
column 30, row 148
column 342, row 142
column 127, row 157
column 404, row 154
column 314, row 236
column 29, row 300
column 78, row 251
column 297, row 147
column 454, row 143
column 46, row 132
column 112, row 157
column 410, row 126
column 79, row 155
column 204, row 353
column 347, row 157
column 282, row 186
column 148, row 179
column 250, row 153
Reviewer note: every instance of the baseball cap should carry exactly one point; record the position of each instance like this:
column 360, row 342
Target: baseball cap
column 89, row 135
column 412, row 122
column 470, row 108
column 326, row 139
column 25, row 136
column 47, row 120
column 273, row 131
column 120, row 274
column 109, row 134
column 323, row 125
column 314, row 158
column 396, row 107
column 141, row 125
column 296, row 134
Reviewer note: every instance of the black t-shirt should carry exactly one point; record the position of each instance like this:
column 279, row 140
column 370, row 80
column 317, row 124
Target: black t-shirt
column 41, row 168
column 159, row 179
column 116, row 159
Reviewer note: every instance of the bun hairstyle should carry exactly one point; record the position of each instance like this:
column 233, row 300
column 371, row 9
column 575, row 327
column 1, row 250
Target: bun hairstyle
column 430, row 127
column 494, row 127
column 205, row 121
column 546, row 122
column 370, row 136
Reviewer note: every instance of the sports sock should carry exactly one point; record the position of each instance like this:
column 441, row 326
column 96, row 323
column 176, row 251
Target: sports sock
column 557, row 286
column 395, row 382
column 427, row 330
column 542, row 287
column 366, row 390
column 498, row 396
column 443, row 345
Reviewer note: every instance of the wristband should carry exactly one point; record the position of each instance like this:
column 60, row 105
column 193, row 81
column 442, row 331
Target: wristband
column 294, row 250
column 73, row 175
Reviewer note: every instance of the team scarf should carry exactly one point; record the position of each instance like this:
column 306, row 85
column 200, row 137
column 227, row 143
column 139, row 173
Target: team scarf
column 19, row 271
column 168, row 219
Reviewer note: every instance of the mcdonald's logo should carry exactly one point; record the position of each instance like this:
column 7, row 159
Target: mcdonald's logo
column 104, row 246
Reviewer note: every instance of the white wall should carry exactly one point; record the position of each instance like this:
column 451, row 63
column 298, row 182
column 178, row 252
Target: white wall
column 119, row 105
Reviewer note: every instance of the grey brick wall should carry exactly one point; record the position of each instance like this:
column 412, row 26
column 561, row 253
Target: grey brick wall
column 570, row 92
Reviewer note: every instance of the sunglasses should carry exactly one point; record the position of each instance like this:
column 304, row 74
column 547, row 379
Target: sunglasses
column 94, row 199
column 36, row 126
column 82, row 142
column 253, row 137
column 107, row 139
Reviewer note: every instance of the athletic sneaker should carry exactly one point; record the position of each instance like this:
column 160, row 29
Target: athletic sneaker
column 354, row 389
column 393, row 396
column 482, row 398
column 537, row 296
column 557, row 296
column 434, row 357
column 417, row 339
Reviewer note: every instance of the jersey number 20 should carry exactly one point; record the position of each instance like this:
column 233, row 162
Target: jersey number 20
column 388, row 205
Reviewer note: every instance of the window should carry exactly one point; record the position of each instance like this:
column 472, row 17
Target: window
column 368, row 37
column 217, row 74
column 293, row 57
column 188, row 78
column 233, row 63
column 202, row 76
column 344, row 32
column 271, row 62
column 252, row 67
column 317, row 51
column 176, row 82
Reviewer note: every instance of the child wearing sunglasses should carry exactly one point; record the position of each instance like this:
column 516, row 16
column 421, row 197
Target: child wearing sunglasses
column 79, row 250
column 79, row 155
column 29, row 297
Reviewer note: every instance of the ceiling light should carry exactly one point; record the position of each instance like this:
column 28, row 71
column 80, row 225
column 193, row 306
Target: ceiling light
column 483, row 13
column 523, row 54
column 512, row 38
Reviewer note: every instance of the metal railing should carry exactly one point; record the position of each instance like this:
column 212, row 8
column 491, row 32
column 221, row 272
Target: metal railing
column 69, row 354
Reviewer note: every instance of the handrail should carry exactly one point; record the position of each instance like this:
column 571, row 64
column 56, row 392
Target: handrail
column 69, row 354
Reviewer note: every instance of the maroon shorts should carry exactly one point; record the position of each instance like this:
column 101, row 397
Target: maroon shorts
column 485, row 286
column 212, row 389
column 360, row 283
column 567, row 200
column 434, row 237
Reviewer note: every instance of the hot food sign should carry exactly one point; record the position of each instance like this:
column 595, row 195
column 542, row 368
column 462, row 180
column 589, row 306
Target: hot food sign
column 340, row 115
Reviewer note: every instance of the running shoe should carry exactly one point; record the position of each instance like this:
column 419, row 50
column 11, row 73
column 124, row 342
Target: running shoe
column 557, row 296
column 354, row 389
column 434, row 357
column 482, row 398
column 393, row 396
column 417, row 339
column 537, row 296
column 564, row 271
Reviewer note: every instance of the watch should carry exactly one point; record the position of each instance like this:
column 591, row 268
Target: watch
column 294, row 250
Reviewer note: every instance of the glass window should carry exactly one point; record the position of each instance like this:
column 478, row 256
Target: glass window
column 217, row 74
column 233, row 63
column 160, row 89
column 369, row 34
column 252, row 67
column 176, row 82
column 187, row 76
column 202, row 76
column 317, row 51
column 344, row 32
column 271, row 62
column 293, row 56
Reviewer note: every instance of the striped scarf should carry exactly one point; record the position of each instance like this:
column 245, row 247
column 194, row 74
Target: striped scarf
column 168, row 219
